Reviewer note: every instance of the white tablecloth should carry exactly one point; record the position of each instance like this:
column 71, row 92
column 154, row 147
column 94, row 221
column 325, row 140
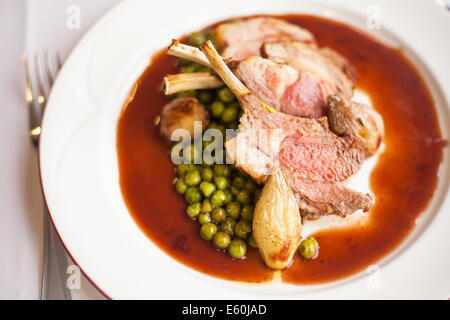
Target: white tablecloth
column 32, row 26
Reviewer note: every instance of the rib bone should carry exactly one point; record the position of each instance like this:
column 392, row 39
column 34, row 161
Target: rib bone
column 174, row 83
column 227, row 76
column 184, row 51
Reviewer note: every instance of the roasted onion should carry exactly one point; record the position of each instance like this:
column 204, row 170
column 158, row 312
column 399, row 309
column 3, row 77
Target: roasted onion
column 277, row 223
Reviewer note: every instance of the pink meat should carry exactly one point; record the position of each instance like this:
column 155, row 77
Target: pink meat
column 284, row 88
column 306, row 97
column 314, row 159
column 323, row 158
column 243, row 38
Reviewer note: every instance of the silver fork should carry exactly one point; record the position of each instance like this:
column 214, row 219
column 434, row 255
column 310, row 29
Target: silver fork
column 44, row 76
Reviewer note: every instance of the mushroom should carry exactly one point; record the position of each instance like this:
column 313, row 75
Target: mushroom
column 357, row 120
column 181, row 113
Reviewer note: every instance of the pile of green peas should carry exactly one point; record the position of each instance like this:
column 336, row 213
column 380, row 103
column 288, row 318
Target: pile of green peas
column 222, row 200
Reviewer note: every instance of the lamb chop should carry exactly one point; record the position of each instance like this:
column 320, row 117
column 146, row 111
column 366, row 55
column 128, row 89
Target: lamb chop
column 290, row 91
column 242, row 39
column 313, row 158
column 282, row 86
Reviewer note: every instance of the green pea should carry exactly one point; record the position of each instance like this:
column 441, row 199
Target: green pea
column 234, row 105
column 184, row 168
column 219, row 214
column 221, row 182
column 309, row 248
column 193, row 210
column 222, row 170
column 206, row 143
column 229, row 115
column 234, row 191
column 192, row 154
column 239, row 173
column 210, row 36
column 242, row 228
column 208, row 230
column 220, row 155
column 206, row 206
column 238, row 182
column 175, row 152
column 237, row 249
column 222, row 240
column 244, row 197
column 218, row 198
column 228, row 225
column 250, row 185
column 193, row 194
column 188, row 69
column 202, row 68
column 252, row 242
column 225, row 95
column 193, row 178
column 208, row 160
column 234, row 209
column 217, row 108
column 188, row 93
column 181, row 186
column 222, row 128
column 228, row 196
column 212, row 125
column 207, row 174
column 247, row 212
column 205, row 97
column 207, row 188
column 197, row 38
column 184, row 62
column 204, row 218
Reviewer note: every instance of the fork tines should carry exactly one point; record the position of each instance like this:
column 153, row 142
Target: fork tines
column 45, row 69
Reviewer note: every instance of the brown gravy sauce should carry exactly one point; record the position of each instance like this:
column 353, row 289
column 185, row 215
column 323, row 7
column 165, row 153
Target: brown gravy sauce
column 402, row 182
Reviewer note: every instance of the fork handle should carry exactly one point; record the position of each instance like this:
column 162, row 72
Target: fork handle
column 61, row 259
column 45, row 257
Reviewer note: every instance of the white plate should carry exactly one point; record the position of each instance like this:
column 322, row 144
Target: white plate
column 79, row 162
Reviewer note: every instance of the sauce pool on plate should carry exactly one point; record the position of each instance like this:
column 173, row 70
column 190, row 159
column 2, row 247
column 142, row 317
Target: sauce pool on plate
column 403, row 181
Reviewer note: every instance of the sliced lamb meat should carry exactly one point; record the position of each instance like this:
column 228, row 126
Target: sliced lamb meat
column 305, row 58
column 313, row 158
column 304, row 147
column 339, row 61
column 284, row 88
column 317, row 199
column 244, row 38
column 268, row 139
